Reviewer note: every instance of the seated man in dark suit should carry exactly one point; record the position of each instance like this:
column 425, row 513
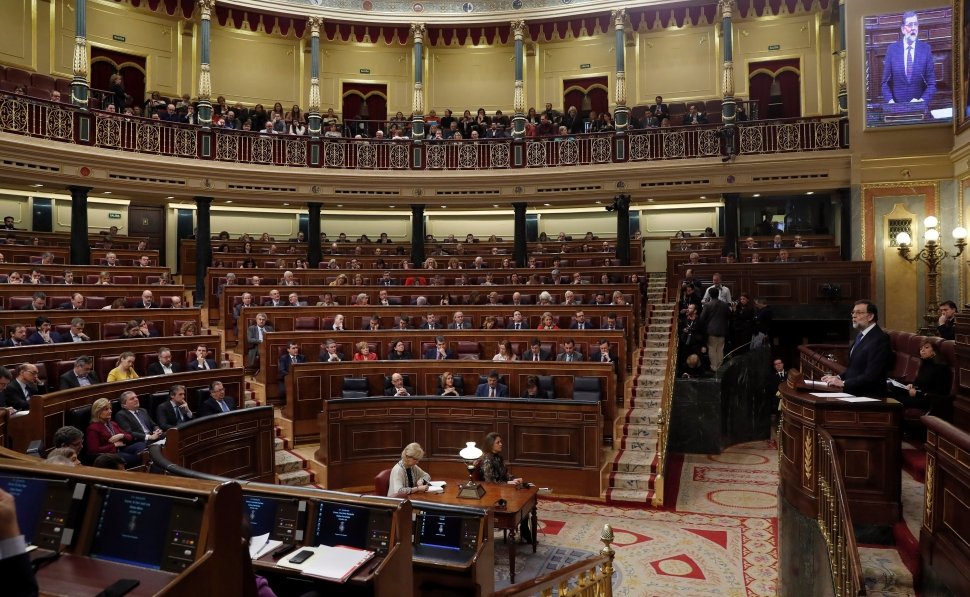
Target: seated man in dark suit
column 147, row 301
column 18, row 337
column 603, row 354
column 173, row 411
column 397, row 388
column 201, row 363
column 135, row 420
column 164, row 365
column 43, row 335
column 291, row 357
column 17, row 393
column 440, row 351
column 612, row 323
column 492, row 388
column 81, row 375
column 76, row 303
column 330, row 352
column 517, row 322
column 76, row 334
column 869, row 357
column 217, row 402
column 536, row 352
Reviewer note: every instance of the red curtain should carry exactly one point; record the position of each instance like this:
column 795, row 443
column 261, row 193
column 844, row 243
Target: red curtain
column 596, row 88
column 761, row 76
column 355, row 95
column 105, row 63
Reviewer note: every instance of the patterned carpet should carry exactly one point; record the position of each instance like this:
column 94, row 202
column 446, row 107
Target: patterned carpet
column 720, row 540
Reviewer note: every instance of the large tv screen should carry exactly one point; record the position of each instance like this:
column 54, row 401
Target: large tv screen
column 909, row 68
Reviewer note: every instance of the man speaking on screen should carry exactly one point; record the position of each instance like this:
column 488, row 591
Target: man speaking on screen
column 907, row 74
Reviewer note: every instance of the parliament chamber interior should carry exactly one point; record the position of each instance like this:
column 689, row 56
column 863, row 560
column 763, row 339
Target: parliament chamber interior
column 484, row 298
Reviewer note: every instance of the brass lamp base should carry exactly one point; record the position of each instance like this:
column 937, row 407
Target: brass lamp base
column 471, row 490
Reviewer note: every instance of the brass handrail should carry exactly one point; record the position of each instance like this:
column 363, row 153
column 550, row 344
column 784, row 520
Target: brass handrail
column 592, row 577
column 663, row 427
column 835, row 521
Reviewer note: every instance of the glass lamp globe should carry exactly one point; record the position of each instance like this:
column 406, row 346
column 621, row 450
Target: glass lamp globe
column 931, row 222
column 903, row 239
column 932, row 235
column 959, row 233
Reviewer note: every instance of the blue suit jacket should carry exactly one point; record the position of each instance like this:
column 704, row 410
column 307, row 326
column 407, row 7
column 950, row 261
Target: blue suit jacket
column 869, row 361
column 921, row 83
column 501, row 390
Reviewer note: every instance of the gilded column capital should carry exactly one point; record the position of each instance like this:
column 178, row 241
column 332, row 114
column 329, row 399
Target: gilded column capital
column 206, row 7
column 620, row 88
column 619, row 18
column 418, row 31
column 205, row 82
column 314, row 23
column 80, row 57
column 726, row 7
column 727, row 82
column 314, row 95
column 518, row 30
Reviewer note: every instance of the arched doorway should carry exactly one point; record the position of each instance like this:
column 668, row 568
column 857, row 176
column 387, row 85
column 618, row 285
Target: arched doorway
column 364, row 108
column 589, row 93
column 105, row 63
column 776, row 86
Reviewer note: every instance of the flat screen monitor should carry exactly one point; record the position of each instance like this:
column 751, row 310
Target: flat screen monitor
column 146, row 529
column 446, row 531
column 908, row 75
column 353, row 526
column 44, row 508
column 280, row 517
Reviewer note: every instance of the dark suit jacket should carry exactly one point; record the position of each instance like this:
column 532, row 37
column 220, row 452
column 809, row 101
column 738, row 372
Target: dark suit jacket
column 126, row 420
column 165, row 415
column 141, row 305
column 701, row 118
column 921, row 83
column 325, row 356
column 284, row 364
column 252, row 337
column 10, row 343
column 269, row 303
column 18, row 577
column 511, row 325
column 577, row 356
column 211, row 406
column 437, row 326
column 586, row 326
column 465, row 325
column 13, row 396
column 501, row 390
column 868, row 365
column 544, row 355
column 432, row 354
column 156, row 368
column 194, row 365
column 69, row 380
column 36, row 339
column 597, row 356
column 68, row 306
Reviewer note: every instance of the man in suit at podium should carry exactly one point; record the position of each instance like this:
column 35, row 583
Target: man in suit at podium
column 869, row 356
column 908, row 75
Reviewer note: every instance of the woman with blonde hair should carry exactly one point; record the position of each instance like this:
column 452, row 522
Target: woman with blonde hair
column 189, row 329
column 125, row 368
column 448, row 388
column 406, row 476
column 363, row 352
column 103, row 436
column 340, row 281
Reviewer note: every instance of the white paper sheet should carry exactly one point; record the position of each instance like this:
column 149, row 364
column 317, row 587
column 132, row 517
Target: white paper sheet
column 860, row 399
column 831, row 395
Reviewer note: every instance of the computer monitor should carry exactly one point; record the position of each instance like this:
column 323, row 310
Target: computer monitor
column 147, row 529
column 446, row 531
column 352, row 525
column 283, row 518
column 45, row 508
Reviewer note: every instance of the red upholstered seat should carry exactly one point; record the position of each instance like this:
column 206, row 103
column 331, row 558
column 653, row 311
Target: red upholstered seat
column 468, row 351
column 382, row 482
column 17, row 76
column 113, row 330
column 306, row 323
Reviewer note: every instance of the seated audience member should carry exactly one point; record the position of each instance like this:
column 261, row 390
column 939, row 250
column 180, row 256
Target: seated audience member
column 63, row 456
column 112, row 462
column 38, row 302
column 398, row 351
column 164, row 365
column 489, row 322
column 147, row 301
column 200, row 362
column 603, row 354
column 174, row 410
column 125, row 368
column 372, row 324
column 536, row 352
column 783, row 257
column 547, row 322
column 135, row 420
column 329, row 352
column 799, row 243
column 459, row 322
column 518, row 322
column 15, row 393
column 104, row 436
column 255, row 335
column 43, row 335
column 569, row 352
column 188, row 329
column 946, row 325
column 406, row 476
column 447, row 381
column 440, row 351
column 532, row 391
column 364, row 353
column 932, row 384
column 287, row 360
column 504, row 352
column 274, row 299
column 612, row 323
column 397, row 388
column 693, row 368
column 76, row 303
column 338, row 323
column 217, row 402
column 492, row 388
column 694, row 116
column 749, row 243
column 80, row 375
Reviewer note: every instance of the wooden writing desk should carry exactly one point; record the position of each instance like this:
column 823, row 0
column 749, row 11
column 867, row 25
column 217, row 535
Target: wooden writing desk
column 520, row 503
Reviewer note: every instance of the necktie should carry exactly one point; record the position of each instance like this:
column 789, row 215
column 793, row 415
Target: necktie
column 439, row 356
column 83, row 381
column 178, row 414
column 909, row 60
column 582, row 326
column 144, row 428
column 223, row 406
column 518, row 326
column 606, row 358
column 292, row 359
column 491, row 393
column 858, row 339
column 260, row 333
column 535, row 357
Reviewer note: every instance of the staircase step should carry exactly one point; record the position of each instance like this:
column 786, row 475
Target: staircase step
column 628, row 495
column 631, row 481
column 287, row 462
column 279, row 443
column 297, row 477
column 884, row 572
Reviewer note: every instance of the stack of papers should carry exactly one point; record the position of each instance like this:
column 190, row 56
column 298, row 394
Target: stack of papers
column 329, row 563
column 262, row 545
column 437, row 486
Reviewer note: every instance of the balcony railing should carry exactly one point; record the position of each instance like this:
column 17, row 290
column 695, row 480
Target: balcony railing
column 61, row 122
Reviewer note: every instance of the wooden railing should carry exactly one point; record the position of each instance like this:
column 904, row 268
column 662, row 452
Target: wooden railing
column 592, row 577
column 663, row 423
column 835, row 521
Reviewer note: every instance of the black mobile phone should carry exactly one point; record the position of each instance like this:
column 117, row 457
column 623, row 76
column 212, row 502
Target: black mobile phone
column 301, row 557
column 120, row 587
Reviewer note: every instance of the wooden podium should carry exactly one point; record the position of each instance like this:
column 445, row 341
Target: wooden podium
column 868, row 443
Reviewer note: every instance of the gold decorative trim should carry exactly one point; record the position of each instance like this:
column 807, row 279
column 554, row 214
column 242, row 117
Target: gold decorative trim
column 928, row 493
column 808, row 456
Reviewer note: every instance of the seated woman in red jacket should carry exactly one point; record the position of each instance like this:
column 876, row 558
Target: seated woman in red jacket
column 363, row 352
column 106, row 437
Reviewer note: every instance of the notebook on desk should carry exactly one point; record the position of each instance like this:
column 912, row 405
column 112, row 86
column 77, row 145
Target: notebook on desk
column 336, row 564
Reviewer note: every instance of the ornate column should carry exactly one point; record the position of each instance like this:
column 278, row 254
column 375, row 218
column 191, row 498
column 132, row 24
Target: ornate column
column 314, row 250
column 417, row 105
column 80, row 89
column 729, row 107
column 203, row 245
column 417, row 234
column 843, row 86
column 518, row 99
column 521, row 248
column 80, row 245
column 621, row 115
column 205, row 81
column 313, row 108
